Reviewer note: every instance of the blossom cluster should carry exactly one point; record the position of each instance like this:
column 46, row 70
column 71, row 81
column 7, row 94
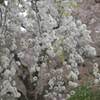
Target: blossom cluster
column 96, row 73
column 42, row 45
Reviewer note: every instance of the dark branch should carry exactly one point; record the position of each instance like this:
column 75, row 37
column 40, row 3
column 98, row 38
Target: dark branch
column 97, row 1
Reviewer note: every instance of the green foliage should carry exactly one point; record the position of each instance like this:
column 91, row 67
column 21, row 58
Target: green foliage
column 13, row 1
column 85, row 93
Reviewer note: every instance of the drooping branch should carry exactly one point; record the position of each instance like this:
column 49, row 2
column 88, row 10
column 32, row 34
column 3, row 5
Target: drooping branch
column 27, row 80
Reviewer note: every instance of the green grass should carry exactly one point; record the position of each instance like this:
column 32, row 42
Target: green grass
column 85, row 93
